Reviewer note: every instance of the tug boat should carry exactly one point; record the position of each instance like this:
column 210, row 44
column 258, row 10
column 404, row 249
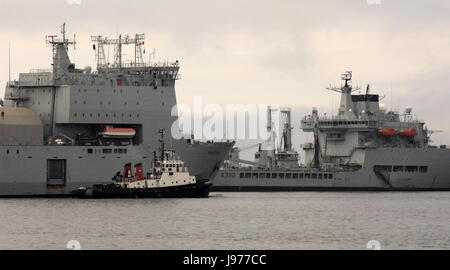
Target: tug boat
column 169, row 178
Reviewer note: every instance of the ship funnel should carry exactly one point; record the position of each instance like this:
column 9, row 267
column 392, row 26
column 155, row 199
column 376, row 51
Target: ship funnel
column 127, row 170
column 139, row 171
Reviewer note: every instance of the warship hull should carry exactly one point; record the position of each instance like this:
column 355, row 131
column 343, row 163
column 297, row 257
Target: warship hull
column 416, row 170
column 67, row 127
column 25, row 170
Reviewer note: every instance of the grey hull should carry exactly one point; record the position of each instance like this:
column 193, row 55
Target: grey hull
column 437, row 176
column 23, row 169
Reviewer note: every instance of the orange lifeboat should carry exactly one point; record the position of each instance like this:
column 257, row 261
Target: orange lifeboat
column 112, row 132
column 411, row 132
column 387, row 131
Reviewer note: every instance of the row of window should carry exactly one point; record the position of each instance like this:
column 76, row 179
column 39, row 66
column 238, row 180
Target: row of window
column 106, row 115
column 100, row 102
column 255, row 175
column 336, row 123
column 114, row 91
column 400, row 168
column 107, row 151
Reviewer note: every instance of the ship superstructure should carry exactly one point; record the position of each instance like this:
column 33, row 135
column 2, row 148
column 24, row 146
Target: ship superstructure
column 362, row 147
column 67, row 127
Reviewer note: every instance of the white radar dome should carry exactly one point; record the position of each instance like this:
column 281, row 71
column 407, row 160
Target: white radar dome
column 382, row 107
column 408, row 110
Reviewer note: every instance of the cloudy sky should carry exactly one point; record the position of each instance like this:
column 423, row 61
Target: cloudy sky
column 258, row 51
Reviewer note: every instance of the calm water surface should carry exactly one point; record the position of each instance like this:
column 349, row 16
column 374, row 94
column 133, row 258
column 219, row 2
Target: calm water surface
column 298, row 220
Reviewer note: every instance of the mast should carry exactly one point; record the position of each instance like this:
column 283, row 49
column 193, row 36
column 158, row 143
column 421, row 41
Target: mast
column 346, row 105
column 316, row 159
column 61, row 65
column 9, row 62
column 60, row 46
column 137, row 41
column 161, row 140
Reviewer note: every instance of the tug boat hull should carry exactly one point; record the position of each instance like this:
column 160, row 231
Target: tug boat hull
column 200, row 189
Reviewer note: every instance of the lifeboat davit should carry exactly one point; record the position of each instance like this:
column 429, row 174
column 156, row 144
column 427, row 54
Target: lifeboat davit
column 112, row 132
column 411, row 132
column 387, row 131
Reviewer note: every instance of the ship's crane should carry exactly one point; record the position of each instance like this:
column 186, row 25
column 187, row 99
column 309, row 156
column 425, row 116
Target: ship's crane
column 101, row 41
column 286, row 139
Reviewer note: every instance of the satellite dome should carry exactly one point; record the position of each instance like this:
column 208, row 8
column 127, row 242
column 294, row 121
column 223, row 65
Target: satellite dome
column 382, row 107
column 408, row 110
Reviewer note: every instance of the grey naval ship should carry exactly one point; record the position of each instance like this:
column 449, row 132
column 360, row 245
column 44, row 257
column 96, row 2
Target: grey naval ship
column 66, row 127
column 363, row 147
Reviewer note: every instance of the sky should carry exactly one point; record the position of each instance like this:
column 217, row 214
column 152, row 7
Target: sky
column 258, row 51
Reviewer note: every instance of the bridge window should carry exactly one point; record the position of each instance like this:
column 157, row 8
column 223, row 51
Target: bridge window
column 274, row 175
column 314, row 176
column 295, row 175
column 411, row 168
column 255, row 175
column 281, row 175
column 262, row 175
column 382, row 168
column 248, row 175
column 288, row 176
